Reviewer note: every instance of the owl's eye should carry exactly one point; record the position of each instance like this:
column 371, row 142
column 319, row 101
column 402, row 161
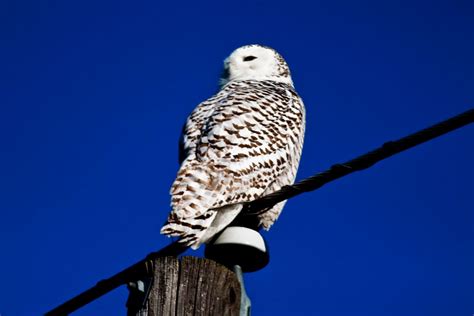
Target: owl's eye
column 249, row 58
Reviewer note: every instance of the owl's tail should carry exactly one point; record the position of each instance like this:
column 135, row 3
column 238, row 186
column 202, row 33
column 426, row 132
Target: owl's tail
column 194, row 231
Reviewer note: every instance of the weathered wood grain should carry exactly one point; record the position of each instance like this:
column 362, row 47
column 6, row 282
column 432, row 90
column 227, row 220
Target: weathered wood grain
column 192, row 286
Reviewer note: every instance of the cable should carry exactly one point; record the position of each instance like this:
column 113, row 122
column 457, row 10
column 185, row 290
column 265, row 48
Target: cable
column 363, row 162
column 134, row 272
column 388, row 149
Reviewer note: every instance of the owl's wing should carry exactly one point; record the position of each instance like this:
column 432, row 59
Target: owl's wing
column 242, row 146
column 192, row 130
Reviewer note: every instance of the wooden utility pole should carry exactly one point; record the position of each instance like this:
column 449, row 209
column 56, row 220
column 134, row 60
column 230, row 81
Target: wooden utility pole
column 186, row 286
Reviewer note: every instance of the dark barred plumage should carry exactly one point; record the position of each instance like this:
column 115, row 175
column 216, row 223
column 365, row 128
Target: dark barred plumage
column 243, row 143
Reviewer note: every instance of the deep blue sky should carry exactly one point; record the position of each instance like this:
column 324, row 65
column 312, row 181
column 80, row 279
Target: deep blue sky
column 93, row 96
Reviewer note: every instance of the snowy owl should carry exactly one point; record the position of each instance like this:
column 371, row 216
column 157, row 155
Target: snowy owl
column 243, row 143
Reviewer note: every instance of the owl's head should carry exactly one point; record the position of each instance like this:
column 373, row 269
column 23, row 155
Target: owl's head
column 255, row 62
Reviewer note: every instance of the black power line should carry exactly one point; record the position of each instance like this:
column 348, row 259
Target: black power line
column 363, row 162
column 144, row 268
column 135, row 272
